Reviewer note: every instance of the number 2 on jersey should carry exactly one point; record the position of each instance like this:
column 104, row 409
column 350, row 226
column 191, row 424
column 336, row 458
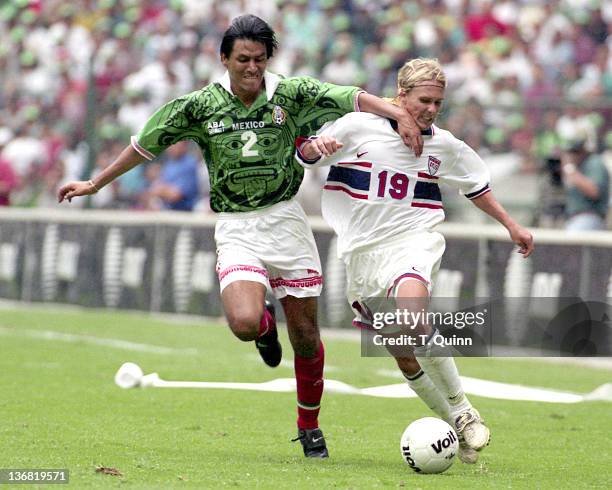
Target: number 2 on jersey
column 252, row 139
column 398, row 185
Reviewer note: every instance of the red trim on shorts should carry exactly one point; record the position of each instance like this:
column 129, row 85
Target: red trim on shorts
column 243, row 267
column 296, row 283
column 362, row 325
column 403, row 276
column 363, row 310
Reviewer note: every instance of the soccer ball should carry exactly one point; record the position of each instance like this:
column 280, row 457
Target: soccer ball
column 429, row 445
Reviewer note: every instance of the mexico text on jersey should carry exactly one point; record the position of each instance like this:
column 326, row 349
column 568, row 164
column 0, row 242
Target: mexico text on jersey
column 248, row 150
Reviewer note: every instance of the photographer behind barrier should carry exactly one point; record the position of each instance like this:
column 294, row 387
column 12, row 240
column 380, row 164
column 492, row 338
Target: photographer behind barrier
column 586, row 181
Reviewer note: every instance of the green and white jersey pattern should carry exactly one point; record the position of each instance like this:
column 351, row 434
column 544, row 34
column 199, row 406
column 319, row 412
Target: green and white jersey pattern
column 249, row 151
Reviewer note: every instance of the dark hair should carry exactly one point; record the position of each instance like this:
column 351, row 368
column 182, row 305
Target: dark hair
column 249, row 27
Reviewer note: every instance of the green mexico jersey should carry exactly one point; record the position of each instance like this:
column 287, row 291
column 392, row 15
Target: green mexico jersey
column 249, row 151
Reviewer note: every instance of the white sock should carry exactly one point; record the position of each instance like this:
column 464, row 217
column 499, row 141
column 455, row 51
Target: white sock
column 444, row 375
column 423, row 386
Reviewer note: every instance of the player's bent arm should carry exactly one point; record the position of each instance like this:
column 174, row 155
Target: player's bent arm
column 407, row 126
column 127, row 159
column 322, row 146
column 318, row 151
column 519, row 235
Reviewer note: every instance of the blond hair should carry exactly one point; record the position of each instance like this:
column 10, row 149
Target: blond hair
column 420, row 70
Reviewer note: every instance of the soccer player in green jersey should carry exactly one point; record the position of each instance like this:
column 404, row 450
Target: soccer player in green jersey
column 246, row 125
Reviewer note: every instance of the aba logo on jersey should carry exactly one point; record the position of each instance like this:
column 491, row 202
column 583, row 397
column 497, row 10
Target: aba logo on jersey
column 278, row 115
column 433, row 164
column 215, row 127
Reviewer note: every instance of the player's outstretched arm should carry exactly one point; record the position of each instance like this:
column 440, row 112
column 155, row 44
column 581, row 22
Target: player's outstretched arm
column 319, row 147
column 126, row 160
column 518, row 234
column 406, row 125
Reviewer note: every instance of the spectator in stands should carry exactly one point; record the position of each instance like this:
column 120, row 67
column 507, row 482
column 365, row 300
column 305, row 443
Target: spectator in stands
column 48, row 186
column 177, row 186
column 25, row 151
column 8, row 178
column 482, row 22
column 587, row 182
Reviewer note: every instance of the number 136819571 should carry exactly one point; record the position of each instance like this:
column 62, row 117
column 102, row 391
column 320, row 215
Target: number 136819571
column 34, row 476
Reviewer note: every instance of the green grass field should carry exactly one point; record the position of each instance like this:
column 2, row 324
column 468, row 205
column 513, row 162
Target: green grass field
column 59, row 408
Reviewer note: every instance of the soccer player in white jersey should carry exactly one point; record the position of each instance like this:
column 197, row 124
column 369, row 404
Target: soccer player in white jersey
column 383, row 203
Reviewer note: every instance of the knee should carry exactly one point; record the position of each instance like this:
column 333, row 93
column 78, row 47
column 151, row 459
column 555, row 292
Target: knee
column 306, row 347
column 301, row 314
column 305, row 339
column 244, row 324
column 408, row 365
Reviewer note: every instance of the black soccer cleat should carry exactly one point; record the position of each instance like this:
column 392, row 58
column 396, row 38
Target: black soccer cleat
column 268, row 345
column 313, row 443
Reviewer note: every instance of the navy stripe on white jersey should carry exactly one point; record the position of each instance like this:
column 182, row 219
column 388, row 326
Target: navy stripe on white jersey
column 356, row 179
column 429, row 191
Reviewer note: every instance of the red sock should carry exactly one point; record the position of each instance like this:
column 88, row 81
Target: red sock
column 266, row 322
column 309, row 380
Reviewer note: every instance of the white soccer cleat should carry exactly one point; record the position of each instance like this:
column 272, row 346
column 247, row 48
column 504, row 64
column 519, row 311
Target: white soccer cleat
column 472, row 432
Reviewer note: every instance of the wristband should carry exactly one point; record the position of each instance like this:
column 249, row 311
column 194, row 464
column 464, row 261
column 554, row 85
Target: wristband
column 91, row 183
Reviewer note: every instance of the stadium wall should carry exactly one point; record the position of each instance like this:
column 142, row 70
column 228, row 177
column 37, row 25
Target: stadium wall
column 165, row 262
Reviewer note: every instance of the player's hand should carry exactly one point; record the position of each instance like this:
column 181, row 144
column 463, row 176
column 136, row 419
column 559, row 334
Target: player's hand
column 75, row 189
column 523, row 239
column 410, row 133
column 321, row 146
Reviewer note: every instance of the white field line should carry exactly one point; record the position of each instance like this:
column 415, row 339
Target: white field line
column 504, row 391
column 91, row 340
column 488, row 389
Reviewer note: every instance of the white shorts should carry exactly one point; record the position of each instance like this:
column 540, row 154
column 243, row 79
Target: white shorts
column 378, row 271
column 274, row 247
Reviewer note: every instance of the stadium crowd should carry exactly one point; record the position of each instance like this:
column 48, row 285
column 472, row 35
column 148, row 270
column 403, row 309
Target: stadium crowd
column 78, row 78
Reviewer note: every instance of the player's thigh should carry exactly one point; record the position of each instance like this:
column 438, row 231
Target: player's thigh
column 243, row 303
column 243, row 281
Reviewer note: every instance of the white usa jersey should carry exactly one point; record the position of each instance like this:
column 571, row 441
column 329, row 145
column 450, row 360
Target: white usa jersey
column 377, row 189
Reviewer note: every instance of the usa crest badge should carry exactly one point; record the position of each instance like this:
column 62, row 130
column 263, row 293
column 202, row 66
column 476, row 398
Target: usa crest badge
column 433, row 164
column 278, row 115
